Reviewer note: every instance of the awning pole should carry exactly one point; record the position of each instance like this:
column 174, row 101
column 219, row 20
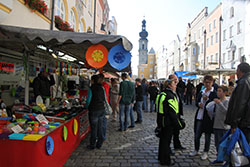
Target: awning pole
column 26, row 70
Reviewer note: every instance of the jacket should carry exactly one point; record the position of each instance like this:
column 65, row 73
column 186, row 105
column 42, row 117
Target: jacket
column 97, row 98
column 138, row 93
column 238, row 114
column 42, row 85
column 207, row 123
column 170, row 116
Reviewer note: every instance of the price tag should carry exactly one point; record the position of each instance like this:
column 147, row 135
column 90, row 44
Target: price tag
column 41, row 118
column 17, row 129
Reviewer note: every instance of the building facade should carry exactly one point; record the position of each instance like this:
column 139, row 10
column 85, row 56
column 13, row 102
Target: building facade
column 234, row 31
column 212, row 26
column 149, row 70
column 161, row 61
column 79, row 14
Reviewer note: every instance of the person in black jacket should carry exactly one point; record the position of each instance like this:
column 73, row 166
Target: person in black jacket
column 181, row 88
column 96, row 113
column 42, row 84
column 139, row 100
column 238, row 113
column 153, row 91
column 203, row 123
column 189, row 92
column 167, row 119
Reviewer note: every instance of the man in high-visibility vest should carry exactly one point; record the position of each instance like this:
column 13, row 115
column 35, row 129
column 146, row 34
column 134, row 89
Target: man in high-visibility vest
column 167, row 107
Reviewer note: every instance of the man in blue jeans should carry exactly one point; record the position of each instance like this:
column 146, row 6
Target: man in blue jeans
column 125, row 100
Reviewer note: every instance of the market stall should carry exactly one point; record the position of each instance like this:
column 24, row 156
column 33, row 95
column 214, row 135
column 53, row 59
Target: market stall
column 46, row 134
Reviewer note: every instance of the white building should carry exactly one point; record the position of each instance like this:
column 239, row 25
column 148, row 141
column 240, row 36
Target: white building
column 235, row 32
column 195, row 42
column 161, row 61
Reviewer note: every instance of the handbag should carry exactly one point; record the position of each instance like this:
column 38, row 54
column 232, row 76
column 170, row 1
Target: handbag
column 108, row 108
column 237, row 157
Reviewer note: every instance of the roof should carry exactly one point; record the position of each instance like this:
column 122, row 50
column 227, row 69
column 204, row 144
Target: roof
column 152, row 51
column 74, row 44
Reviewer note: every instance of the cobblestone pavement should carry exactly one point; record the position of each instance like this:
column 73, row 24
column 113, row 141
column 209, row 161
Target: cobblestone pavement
column 139, row 146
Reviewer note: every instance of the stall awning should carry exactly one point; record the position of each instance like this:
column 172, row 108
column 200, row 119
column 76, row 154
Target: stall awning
column 182, row 74
column 74, row 44
column 212, row 72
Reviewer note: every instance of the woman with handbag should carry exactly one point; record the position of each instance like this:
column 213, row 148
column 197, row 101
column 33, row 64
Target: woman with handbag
column 96, row 113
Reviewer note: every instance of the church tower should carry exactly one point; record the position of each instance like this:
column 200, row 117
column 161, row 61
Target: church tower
column 143, row 44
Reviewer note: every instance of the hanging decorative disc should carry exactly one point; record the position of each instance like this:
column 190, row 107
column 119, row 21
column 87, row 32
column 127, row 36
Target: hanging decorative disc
column 75, row 126
column 97, row 56
column 65, row 133
column 118, row 57
column 49, row 145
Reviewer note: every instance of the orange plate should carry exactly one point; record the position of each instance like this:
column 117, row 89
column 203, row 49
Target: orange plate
column 97, row 56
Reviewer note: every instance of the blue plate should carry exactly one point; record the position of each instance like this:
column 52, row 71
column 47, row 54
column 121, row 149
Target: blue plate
column 49, row 145
column 118, row 57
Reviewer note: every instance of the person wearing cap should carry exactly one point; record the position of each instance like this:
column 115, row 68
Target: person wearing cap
column 42, row 84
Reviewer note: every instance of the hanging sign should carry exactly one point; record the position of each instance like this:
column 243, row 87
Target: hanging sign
column 97, row 56
column 118, row 57
column 6, row 66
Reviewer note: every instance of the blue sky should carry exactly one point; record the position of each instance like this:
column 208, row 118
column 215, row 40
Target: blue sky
column 165, row 19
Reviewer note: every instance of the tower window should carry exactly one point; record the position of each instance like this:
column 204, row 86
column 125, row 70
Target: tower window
column 143, row 46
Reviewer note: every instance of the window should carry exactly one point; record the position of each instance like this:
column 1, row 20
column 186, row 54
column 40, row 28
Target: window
column 231, row 32
column 216, row 37
column 60, row 9
column 207, row 60
column 216, row 57
column 81, row 27
column 194, row 36
column 239, row 28
column 224, row 57
column 212, row 58
column 241, row 52
column 150, row 76
column 229, row 55
column 151, row 62
column 90, row 6
column 207, row 42
column 142, row 46
column 142, row 69
column 202, row 47
column 214, row 23
column 142, row 76
column 224, row 35
column 210, row 27
column 231, row 12
column 202, row 30
column 212, row 40
column 199, row 34
column 72, row 20
column 151, row 69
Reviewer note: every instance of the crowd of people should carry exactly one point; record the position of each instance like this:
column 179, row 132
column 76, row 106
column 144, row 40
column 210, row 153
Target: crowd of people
column 219, row 108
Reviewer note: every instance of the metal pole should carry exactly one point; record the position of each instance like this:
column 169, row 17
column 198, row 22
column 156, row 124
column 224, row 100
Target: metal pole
column 52, row 15
column 205, row 47
column 94, row 16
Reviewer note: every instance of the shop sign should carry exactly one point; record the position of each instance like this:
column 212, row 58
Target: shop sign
column 6, row 66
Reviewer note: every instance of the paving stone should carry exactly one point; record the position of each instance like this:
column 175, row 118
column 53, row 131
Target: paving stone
column 138, row 147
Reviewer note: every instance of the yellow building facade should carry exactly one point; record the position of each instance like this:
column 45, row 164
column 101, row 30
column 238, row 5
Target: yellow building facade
column 148, row 70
